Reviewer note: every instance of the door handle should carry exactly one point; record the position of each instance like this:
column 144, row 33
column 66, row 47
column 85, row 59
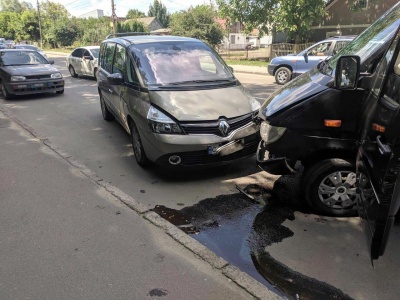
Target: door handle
column 384, row 149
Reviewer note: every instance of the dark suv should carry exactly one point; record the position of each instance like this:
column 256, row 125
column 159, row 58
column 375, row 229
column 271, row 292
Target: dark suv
column 285, row 68
column 178, row 100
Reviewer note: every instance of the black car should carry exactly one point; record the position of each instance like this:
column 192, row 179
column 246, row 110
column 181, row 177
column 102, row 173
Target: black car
column 24, row 72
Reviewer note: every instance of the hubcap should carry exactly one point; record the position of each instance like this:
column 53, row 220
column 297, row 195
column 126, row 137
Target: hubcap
column 282, row 76
column 338, row 190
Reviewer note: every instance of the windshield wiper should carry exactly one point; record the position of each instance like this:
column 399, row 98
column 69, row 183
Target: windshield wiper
column 199, row 81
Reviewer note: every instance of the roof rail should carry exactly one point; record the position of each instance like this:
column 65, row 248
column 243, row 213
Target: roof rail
column 126, row 34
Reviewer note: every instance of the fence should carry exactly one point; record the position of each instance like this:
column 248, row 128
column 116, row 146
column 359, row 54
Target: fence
column 265, row 53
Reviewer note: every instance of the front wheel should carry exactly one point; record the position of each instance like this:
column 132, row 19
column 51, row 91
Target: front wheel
column 283, row 75
column 137, row 146
column 6, row 94
column 72, row 71
column 107, row 115
column 330, row 187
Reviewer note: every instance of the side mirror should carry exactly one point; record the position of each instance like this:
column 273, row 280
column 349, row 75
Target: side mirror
column 305, row 57
column 347, row 72
column 115, row 79
column 51, row 62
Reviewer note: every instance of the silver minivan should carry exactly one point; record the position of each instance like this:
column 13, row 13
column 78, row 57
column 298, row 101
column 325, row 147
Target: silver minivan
column 178, row 100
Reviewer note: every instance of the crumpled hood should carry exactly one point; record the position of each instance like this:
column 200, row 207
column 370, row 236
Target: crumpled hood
column 27, row 70
column 203, row 104
column 298, row 89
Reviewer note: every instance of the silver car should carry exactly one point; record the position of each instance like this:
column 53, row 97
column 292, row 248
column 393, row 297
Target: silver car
column 83, row 61
column 178, row 100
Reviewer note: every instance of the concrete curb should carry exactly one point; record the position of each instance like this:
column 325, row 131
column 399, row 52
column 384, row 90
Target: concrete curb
column 246, row 282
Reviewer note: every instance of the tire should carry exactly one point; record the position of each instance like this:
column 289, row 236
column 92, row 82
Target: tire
column 95, row 74
column 60, row 92
column 107, row 115
column 72, row 71
column 328, row 193
column 137, row 146
column 283, row 75
column 5, row 93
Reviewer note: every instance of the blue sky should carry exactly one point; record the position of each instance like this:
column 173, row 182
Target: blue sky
column 79, row 7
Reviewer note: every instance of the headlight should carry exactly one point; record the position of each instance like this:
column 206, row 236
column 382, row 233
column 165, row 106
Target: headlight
column 56, row 75
column 18, row 78
column 160, row 123
column 271, row 134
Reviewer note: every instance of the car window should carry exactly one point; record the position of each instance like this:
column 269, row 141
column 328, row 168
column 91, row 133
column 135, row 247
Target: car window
column 108, row 57
column 95, row 52
column 119, row 65
column 338, row 46
column 77, row 52
column 86, row 53
column 21, row 58
column 170, row 62
column 131, row 73
column 320, row 49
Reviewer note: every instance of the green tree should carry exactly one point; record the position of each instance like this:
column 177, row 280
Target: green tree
column 295, row 17
column 198, row 22
column 62, row 33
column 7, row 21
column 158, row 10
column 15, row 6
column 134, row 26
column 134, row 14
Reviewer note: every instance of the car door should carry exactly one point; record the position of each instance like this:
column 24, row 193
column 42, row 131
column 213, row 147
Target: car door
column 87, row 63
column 107, row 56
column 378, row 158
column 76, row 59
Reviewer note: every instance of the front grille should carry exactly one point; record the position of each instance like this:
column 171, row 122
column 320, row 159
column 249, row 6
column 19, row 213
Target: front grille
column 213, row 127
column 197, row 158
column 33, row 77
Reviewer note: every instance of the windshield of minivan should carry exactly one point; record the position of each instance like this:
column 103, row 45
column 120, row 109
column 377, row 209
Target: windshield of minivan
column 367, row 44
column 177, row 62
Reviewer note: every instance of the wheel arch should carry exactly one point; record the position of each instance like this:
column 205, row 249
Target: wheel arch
column 283, row 66
column 318, row 156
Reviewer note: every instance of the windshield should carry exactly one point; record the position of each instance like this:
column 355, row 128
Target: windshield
column 95, row 52
column 368, row 45
column 178, row 62
column 17, row 58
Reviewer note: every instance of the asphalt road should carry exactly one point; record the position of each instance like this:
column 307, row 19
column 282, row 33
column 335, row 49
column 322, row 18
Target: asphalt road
column 331, row 250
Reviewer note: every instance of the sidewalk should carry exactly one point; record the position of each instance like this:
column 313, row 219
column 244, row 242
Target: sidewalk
column 66, row 234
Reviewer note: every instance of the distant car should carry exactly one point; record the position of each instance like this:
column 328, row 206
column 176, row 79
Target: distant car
column 31, row 47
column 83, row 61
column 24, row 72
column 287, row 67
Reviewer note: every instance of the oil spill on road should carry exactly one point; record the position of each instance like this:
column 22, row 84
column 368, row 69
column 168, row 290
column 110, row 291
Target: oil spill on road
column 240, row 229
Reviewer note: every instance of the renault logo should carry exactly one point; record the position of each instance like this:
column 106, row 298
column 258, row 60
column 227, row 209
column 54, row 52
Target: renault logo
column 223, row 127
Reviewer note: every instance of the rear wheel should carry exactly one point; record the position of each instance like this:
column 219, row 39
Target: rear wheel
column 330, row 187
column 95, row 74
column 6, row 94
column 283, row 75
column 72, row 71
column 107, row 115
column 137, row 146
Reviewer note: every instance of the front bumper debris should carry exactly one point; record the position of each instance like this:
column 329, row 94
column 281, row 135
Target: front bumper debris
column 271, row 164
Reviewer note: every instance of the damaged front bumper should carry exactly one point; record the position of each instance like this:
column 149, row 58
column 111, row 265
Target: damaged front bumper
column 271, row 164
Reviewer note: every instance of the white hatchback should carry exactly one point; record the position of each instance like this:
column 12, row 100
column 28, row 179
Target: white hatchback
column 83, row 61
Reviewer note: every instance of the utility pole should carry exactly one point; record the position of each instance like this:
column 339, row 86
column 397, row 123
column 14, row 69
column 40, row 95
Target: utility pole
column 40, row 26
column 113, row 15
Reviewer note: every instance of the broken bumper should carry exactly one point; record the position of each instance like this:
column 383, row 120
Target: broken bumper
column 271, row 164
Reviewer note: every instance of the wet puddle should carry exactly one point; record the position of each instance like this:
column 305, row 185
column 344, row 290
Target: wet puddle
column 239, row 227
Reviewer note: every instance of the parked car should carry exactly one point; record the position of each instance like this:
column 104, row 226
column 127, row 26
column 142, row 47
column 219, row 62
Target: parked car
column 285, row 68
column 31, row 47
column 340, row 122
column 24, row 72
column 83, row 61
column 178, row 100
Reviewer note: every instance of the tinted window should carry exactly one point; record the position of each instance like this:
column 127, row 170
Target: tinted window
column 176, row 61
column 131, row 73
column 119, row 65
column 108, row 57
column 77, row 52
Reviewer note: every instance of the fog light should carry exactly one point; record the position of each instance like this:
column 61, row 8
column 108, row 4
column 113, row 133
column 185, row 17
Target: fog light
column 174, row 160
